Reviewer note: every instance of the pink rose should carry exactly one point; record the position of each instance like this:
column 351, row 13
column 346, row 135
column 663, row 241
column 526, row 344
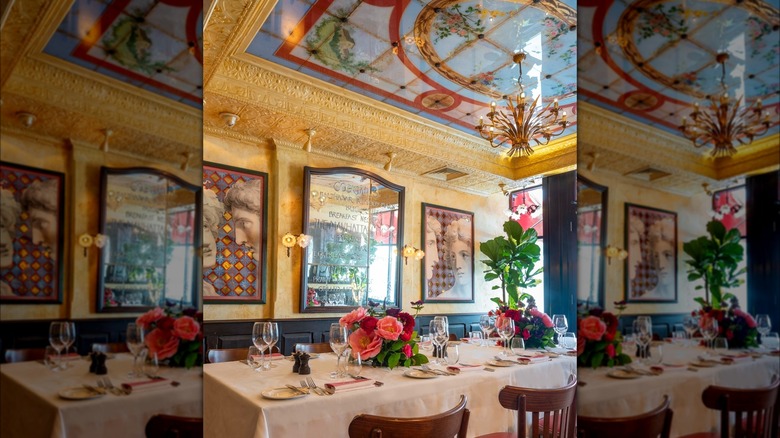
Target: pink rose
column 748, row 319
column 407, row 351
column 149, row 317
column 610, row 350
column 547, row 321
column 353, row 317
column 162, row 342
column 186, row 328
column 389, row 328
column 368, row 345
column 592, row 328
column 502, row 321
column 543, row 316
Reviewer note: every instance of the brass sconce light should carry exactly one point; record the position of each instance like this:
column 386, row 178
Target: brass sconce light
column 289, row 240
column 613, row 252
column 410, row 251
column 86, row 240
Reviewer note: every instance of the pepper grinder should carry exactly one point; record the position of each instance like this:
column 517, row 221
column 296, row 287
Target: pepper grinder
column 100, row 367
column 297, row 358
column 304, row 368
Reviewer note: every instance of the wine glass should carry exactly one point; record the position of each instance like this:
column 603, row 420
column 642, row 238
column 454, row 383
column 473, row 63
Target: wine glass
column 487, row 323
column 257, row 340
column 135, row 343
column 763, row 324
column 354, row 363
column 55, row 339
column 506, row 329
column 643, row 335
column 439, row 337
column 270, row 338
column 339, row 340
column 446, row 324
column 68, row 337
column 709, row 329
column 560, row 325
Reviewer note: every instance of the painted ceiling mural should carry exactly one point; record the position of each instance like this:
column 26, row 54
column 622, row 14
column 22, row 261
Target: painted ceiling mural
column 444, row 60
column 651, row 60
column 151, row 44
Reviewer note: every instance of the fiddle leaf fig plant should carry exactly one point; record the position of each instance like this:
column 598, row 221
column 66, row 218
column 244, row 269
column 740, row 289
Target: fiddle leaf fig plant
column 715, row 259
column 511, row 260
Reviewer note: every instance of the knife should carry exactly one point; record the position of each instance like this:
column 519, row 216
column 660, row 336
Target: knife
column 296, row 389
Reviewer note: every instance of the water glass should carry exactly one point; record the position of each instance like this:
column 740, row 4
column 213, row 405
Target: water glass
column 51, row 358
column 476, row 338
column 151, row 365
column 254, row 358
column 763, row 324
column 452, row 354
column 569, row 341
column 354, row 363
column 655, row 354
column 426, row 344
column 720, row 344
column 517, row 345
column 771, row 341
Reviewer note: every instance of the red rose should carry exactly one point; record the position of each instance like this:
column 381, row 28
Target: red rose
column 729, row 335
column 592, row 328
column 368, row 324
column 610, row 350
column 166, row 323
column 526, row 334
column 512, row 313
column 407, row 351
column 405, row 336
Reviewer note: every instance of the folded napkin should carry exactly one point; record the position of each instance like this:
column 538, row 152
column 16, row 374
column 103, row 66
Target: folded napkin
column 66, row 357
column 735, row 357
column 350, row 385
column 144, row 385
column 667, row 368
column 272, row 356
column 463, row 368
column 525, row 360
column 531, row 354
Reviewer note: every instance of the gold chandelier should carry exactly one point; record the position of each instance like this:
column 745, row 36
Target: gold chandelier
column 523, row 122
column 724, row 123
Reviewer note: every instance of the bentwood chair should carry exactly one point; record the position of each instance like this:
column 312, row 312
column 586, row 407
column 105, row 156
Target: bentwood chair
column 216, row 355
column 24, row 354
column 171, row 426
column 446, row 425
column 553, row 412
column 317, row 347
column 111, row 347
column 755, row 411
column 653, row 424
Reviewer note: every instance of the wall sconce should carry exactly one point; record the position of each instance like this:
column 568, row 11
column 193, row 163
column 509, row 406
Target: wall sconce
column 410, row 251
column 289, row 240
column 613, row 251
column 86, row 240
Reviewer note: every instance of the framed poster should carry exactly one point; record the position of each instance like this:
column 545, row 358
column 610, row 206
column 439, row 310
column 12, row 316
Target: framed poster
column 448, row 238
column 525, row 207
column 234, row 234
column 31, row 234
column 651, row 265
column 728, row 207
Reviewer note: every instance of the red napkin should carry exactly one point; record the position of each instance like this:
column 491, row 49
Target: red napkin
column 462, row 368
column 143, row 385
column 65, row 357
column 528, row 357
column 350, row 385
column 272, row 356
column 668, row 368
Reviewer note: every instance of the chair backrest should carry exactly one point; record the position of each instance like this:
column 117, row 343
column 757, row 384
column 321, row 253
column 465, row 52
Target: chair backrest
column 111, row 347
column 553, row 412
column 653, row 424
column 24, row 354
column 171, row 426
column 216, row 355
column 754, row 410
column 317, row 347
column 446, row 425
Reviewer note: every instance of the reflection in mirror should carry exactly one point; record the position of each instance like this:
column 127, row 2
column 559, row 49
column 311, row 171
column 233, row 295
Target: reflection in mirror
column 355, row 219
column 151, row 221
column 591, row 239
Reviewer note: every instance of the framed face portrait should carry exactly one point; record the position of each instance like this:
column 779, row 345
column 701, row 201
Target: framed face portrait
column 31, row 234
column 651, row 265
column 448, row 242
column 234, row 234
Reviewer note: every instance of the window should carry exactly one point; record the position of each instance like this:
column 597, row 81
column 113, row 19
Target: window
column 525, row 207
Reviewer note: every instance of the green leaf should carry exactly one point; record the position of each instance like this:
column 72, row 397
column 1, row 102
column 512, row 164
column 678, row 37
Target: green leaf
column 419, row 359
column 393, row 361
column 190, row 361
column 595, row 361
column 381, row 356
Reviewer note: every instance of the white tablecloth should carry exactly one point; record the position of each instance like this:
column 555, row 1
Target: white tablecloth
column 603, row 396
column 235, row 406
column 30, row 406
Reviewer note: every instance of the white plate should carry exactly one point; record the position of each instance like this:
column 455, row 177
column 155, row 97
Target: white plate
column 622, row 374
column 78, row 393
column 417, row 374
column 496, row 363
column 281, row 394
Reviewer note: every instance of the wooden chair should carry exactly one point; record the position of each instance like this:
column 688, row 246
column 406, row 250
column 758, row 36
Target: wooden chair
column 24, row 354
column 754, row 410
column 216, row 355
column 653, row 424
column 111, row 347
column 317, row 347
column 171, row 426
column 445, row 425
column 553, row 412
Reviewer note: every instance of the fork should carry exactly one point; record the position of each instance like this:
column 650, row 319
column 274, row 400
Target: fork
column 317, row 388
column 313, row 389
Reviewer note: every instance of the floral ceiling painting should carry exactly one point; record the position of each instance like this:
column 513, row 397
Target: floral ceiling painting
column 150, row 44
column 651, row 60
column 444, row 60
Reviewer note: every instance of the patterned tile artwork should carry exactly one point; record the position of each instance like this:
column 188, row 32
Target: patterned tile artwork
column 30, row 247
column 651, row 60
column 151, row 44
column 445, row 60
column 237, row 270
column 651, row 242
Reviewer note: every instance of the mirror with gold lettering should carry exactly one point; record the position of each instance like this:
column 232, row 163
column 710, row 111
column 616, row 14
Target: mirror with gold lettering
column 355, row 219
column 591, row 241
column 151, row 221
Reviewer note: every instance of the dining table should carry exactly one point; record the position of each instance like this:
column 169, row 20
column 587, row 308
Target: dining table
column 37, row 400
column 246, row 402
column 681, row 371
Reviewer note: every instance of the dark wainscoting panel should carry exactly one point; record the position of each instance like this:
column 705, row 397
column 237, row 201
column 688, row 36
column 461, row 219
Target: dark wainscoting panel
column 663, row 324
column 35, row 334
column 237, row 334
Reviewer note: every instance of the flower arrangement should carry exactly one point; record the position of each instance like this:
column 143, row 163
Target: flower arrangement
column 384, row 336
column 734, row 324
column 175, row 334
column 598, row 340
column 532, row 324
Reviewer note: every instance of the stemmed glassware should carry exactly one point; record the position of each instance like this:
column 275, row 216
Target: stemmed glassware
column 55, row 339
column 690, row 325
column 643, row 335
column 763, row 325
column 339, row 339
column 506, row 329
column 439, row 337
column 68, row 337
column 270, row 338
column 260, row 345
column 560, row 325
column 135, row 343
column 709, row 330
column 487, row 324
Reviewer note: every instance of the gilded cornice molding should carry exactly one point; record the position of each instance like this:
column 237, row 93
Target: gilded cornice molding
column 36, row 20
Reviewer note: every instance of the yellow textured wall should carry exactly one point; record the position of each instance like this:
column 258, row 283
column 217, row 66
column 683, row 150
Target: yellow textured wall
column 284, row 166
column 81, row 165
column 693, row 213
